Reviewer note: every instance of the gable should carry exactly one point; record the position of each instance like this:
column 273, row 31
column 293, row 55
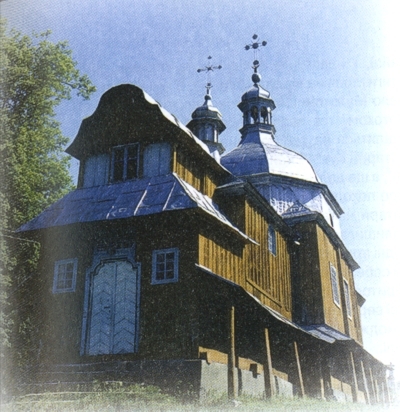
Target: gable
column 126, row 114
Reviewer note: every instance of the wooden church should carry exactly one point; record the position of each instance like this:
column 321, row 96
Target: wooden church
column 175, row 264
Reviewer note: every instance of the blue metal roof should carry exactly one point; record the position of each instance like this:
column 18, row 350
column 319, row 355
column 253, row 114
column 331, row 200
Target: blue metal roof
column 124, row 200
column 326, row 333
column 259, row 153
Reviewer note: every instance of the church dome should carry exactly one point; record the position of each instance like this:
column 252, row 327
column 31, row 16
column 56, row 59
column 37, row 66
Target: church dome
column 259, row 153
column 207, row 125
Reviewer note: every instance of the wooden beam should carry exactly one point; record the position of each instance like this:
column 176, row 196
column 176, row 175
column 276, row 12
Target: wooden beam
column 232, row 378
column 354, row 386
column 325, row 373
column 268, row 375
column 377, row 391
column 367, row 397
column 386, row 389
column 298, row 367
column 374, row 394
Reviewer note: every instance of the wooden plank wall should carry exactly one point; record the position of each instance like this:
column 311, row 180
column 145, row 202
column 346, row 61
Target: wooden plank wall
column 353, row 322
column 333, row 313
column 221, row 255
column 267, row 275
column 307, row 293
column 186, row 166
column 167, row 313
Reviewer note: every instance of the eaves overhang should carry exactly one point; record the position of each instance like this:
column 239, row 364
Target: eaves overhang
column 360, row 299
column 322, row 333
column 361, row 352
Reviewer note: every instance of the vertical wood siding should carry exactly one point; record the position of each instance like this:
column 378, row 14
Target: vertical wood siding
column 221, row 256
column 353, row 322
column 267, row 275
column 327, row 255
column 307, row 292
column 186, row 166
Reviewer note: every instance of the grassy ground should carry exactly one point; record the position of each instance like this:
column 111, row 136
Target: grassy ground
column 147, row 398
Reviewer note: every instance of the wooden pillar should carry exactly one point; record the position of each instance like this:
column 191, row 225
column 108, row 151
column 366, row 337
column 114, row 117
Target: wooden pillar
column 354, row 386
column 378, row 395
column 386, row 389
column 232, row 379
column 374, row 398
column 326, row 384
column 298, row 367
column 367, row 397
column 268, row 375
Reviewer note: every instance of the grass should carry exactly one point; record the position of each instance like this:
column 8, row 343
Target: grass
column 150, row 398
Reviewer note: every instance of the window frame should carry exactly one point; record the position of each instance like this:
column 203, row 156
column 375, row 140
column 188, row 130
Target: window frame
column 125, row 162
column 271, row 240
column 334, row 284
column 57, row 273
column 347, row 298
column 155, row 254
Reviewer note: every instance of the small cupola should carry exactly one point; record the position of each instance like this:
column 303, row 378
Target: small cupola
column 207, row 122
column 256, row 104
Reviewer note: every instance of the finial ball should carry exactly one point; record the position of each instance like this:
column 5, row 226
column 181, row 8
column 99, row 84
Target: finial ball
column 256, row 78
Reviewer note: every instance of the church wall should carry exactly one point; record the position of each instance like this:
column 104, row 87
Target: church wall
column 221, row 255
column 267, row 273
column 307, row 292
column 187, row 166
column 166, row 312
column 354, row 324
column 333, row 312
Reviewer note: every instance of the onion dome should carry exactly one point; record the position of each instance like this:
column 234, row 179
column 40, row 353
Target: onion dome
column 207, row 124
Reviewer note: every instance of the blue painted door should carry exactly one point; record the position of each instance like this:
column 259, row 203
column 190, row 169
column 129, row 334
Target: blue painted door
column 113, row 319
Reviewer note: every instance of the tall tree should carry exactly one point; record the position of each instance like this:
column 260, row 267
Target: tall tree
column 36, row 75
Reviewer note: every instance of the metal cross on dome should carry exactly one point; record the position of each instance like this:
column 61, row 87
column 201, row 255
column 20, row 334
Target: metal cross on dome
column 208, row 69
column 255, row 45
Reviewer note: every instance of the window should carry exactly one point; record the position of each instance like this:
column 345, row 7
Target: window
column 272, row 240
column 65, row 275
column 125, row 162
column 335, row 285
column 165, row 266
column 347, row 298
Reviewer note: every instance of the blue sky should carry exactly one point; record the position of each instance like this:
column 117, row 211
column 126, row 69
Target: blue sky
column 331, row 67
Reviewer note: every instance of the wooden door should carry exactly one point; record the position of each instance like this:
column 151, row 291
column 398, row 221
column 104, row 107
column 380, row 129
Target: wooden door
column 113, row 319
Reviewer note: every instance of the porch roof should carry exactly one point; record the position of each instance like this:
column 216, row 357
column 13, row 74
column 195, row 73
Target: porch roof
column 128, row 199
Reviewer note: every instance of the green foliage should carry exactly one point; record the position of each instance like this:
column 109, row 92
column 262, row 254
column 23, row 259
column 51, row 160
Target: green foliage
column 36, row 75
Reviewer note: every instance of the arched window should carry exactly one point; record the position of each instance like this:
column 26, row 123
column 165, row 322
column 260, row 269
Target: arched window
column 264, row 114
column 254, row 114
